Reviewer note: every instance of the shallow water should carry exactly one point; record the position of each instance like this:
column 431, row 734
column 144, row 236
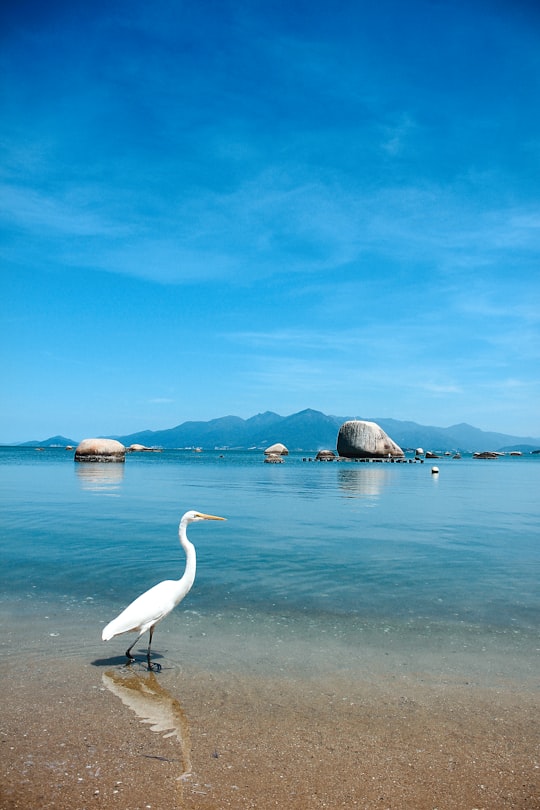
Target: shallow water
column 320, row 566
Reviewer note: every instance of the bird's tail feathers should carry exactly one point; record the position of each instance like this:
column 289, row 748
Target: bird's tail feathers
column 107, row 633
column 113, row 629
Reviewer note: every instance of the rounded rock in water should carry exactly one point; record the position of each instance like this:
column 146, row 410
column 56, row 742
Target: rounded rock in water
column 359, row 439
column 104, row 450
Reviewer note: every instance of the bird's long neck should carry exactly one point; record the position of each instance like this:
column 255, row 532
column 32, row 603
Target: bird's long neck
column 188, row 576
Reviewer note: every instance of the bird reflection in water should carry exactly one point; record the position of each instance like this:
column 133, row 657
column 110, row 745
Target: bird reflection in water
column 153, row 704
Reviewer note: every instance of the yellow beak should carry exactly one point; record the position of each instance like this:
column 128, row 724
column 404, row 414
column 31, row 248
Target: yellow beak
column 209, row 517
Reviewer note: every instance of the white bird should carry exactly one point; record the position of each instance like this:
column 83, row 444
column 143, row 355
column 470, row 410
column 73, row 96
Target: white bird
column 153, row 605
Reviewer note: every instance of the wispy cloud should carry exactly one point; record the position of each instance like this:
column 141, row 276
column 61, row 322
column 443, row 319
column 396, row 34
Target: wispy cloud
column 43, row 214
column 441, row 389
column 394, row 137
column 276, row 220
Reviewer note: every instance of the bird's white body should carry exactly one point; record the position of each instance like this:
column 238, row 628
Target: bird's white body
column 153, row 605
column 148, row 609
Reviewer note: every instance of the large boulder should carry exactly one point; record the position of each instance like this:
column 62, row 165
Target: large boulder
column 100, row 450
column 276, row 450
column 358, row 439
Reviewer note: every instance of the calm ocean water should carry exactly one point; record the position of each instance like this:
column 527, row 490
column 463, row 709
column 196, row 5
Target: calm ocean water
column 385, row 547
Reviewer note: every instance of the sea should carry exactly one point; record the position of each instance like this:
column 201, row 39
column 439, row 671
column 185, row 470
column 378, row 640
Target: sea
column 356, row 567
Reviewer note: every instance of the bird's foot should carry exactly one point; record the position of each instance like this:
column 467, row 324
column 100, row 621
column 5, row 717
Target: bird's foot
column 154, row 666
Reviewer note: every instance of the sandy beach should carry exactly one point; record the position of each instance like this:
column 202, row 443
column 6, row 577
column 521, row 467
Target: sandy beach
column 79, row 735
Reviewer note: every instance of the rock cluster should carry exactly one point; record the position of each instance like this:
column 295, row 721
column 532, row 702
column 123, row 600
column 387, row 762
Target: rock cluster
column 359, row 439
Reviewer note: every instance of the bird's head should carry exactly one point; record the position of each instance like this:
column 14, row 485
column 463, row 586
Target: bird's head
column 192, row 516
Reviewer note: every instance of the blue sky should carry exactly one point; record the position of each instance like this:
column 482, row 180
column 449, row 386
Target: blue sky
column 219, row 208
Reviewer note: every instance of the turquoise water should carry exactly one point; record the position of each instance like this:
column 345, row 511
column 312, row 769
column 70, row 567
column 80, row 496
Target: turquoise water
column 337, row 545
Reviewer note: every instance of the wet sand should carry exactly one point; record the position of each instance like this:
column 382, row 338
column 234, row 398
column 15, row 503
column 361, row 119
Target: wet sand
column 79, row 734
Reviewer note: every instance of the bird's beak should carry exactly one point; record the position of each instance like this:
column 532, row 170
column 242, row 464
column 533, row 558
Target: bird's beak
column 209, row 517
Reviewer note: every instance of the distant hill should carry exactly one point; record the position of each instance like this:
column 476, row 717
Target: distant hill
column 54, row 441
column 307, row 430
column 310, row 431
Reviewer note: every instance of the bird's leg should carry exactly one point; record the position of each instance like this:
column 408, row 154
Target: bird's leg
column 128, row 651
column 150, row 664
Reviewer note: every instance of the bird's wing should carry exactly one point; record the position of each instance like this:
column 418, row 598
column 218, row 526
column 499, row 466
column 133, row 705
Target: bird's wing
column 145, row 611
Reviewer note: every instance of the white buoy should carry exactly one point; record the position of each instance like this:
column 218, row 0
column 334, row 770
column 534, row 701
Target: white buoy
column 435, row 470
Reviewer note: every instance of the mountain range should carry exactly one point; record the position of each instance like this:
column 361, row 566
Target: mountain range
column 309, row 430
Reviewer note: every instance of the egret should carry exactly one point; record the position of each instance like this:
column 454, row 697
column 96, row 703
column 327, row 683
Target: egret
column 154, row 604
